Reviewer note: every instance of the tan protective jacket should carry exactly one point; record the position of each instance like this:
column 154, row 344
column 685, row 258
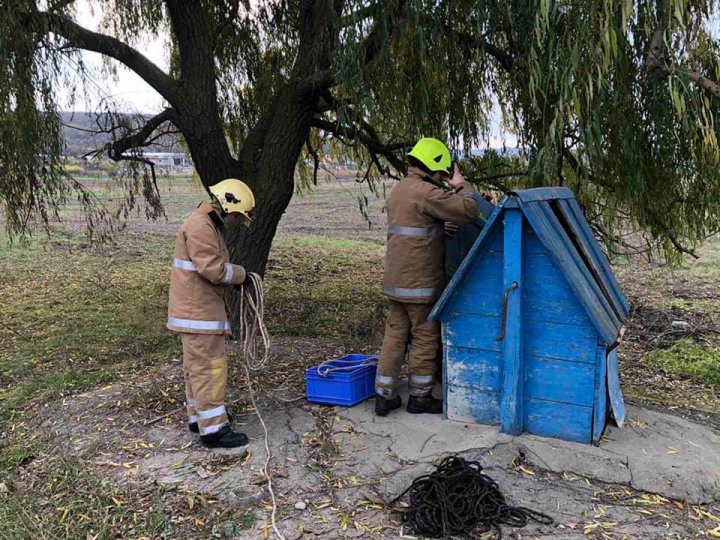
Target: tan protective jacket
column 201, row 275
column 417, row 209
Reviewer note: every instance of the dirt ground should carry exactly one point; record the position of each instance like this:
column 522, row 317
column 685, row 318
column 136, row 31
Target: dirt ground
column 114, row 459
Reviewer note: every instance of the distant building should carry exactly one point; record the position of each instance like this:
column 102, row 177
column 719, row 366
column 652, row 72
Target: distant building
column 168, row 160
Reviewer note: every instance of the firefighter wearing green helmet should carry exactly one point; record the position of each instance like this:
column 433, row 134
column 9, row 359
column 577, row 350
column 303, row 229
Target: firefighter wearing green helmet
column 419, row 207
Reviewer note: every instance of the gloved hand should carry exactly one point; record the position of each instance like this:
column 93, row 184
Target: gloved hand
column 450, row 228
column 457, row 179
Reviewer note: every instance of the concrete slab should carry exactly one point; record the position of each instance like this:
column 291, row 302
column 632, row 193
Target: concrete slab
column 668, row 455
column 415, row 437
column 654, row 452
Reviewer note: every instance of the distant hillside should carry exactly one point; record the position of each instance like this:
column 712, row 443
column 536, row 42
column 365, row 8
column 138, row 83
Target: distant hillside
column 80, row 133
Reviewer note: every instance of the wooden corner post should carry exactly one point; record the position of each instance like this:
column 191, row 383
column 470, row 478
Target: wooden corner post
column 511, row 401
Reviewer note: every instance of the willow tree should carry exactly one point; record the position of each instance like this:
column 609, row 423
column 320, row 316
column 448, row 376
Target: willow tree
column 615, row 99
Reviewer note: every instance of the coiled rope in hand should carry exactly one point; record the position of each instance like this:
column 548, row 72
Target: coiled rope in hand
column 255, row 340
column 459, row 499
column 252, row 332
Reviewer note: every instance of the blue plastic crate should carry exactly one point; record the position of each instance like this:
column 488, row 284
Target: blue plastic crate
column 344, row 381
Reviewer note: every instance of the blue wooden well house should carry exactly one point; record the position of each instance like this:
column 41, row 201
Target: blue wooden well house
column 531, row 321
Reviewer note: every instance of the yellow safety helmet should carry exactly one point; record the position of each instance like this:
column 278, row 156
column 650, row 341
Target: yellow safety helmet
column 234, row 196
column 433, row 154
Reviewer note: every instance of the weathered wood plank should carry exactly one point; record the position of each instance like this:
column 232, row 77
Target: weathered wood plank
column 551, row 340
column 560, row 381
column 572, row 208
column 559, row 420
column 547, row 296
column 472, row 405
column 483, row 293
column 600, row 407
column 472, row 331
column 614, row 391
column 565, row 256
column 511, row 401
column 473, row 368
column 487, row 238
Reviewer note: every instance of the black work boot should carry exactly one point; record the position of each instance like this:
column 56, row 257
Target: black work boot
column 425, row 404
column 194, row 428
column 225, row 438
column 383, row 405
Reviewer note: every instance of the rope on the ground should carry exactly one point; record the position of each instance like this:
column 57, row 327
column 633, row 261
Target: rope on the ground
column 459, row 499
column 251, row 331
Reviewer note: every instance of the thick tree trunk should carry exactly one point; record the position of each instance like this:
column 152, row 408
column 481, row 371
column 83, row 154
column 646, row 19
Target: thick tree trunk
column 283, row 131
column 274, row 185
column 267, row 163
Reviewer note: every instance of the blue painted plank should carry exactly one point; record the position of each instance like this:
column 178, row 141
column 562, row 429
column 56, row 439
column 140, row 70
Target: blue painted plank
column 445, row 365
column 559, row 420
column 482, row 292
column 550, row 233
column 572, row 246
column 550, row 379
column 511, row 400
column 613, row 381
column 493, row 226
column 472, row 368
column 594, row 266
column 472, row 405
column 600, row 406
column 584, row 227
column 472, row 331
column 547, row 296
column 544, row 194
column 531, row 243
column 551, row 340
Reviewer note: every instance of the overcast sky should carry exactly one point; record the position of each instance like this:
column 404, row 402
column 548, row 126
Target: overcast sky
column 133, row 93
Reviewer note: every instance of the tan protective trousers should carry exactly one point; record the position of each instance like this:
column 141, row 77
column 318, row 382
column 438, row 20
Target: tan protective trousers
column 404, row 321
column 205, row 368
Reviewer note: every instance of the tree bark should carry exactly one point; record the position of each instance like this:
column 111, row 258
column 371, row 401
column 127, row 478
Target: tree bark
column 283, row 130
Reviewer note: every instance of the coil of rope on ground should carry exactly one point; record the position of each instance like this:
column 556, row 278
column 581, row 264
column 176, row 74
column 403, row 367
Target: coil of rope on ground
column 458, row 499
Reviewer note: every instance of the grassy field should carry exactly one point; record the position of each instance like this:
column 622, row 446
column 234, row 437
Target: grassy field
column 77, row 316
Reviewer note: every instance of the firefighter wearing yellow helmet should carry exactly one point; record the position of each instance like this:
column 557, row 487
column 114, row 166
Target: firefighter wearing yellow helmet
column 201, row 278
column 420, row 208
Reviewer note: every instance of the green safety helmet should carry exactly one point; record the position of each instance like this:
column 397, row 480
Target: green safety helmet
column 433, row 154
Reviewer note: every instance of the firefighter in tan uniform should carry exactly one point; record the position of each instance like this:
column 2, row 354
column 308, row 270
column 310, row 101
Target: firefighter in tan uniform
column 418, row 207
column 200, row 281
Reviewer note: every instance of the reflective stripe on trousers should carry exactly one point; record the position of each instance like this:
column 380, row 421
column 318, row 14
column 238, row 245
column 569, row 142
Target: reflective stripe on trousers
column 385, row 386
column 212, row 413
column 421, row 385
column 414, row 231
column 400, row 292
column 209, row 430
column 190, row 324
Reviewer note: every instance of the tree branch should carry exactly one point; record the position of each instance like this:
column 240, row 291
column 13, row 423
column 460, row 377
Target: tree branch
column 654, row 220
column 657, row 60
column 116, row 149
column 82, row 38
column 368, row 138
column 493, row 179
column 191, row 27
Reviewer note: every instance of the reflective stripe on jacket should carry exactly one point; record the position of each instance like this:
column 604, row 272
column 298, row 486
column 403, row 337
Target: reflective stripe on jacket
column 201, row 275
column 417, row 209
